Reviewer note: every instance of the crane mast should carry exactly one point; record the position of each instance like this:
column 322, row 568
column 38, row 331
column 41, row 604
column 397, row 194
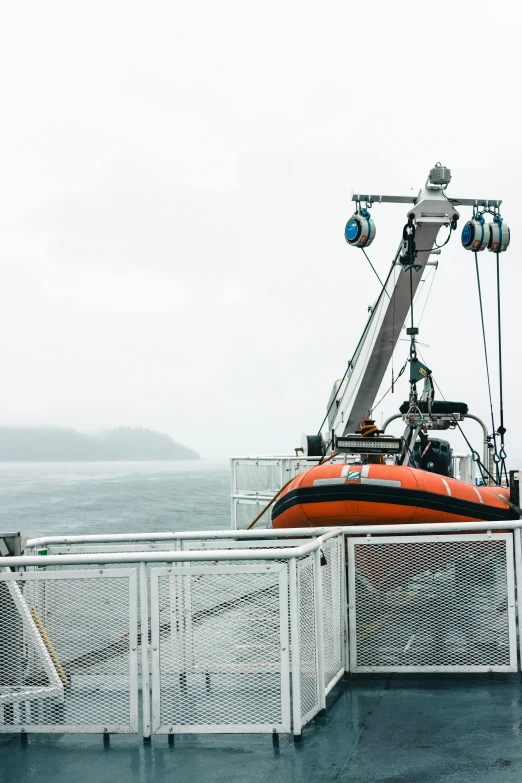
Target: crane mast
column 353, row 398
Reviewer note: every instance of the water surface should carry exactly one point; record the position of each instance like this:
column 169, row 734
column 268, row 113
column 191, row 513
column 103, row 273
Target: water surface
column 59, row 498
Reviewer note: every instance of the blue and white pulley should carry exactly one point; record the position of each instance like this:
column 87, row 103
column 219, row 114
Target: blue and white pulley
column 499, row 235
column 360, row 229
column 475, row 234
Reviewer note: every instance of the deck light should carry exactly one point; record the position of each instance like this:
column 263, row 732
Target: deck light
column 355, row 444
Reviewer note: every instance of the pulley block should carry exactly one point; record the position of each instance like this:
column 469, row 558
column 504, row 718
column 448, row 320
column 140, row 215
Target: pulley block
column 360, row 229
column 475, row 234
column 499, row 235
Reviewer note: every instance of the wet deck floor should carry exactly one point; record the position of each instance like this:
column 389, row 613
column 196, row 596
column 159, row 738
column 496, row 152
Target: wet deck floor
column 429, row 730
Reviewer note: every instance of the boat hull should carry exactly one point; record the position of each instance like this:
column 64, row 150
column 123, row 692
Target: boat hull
column 336, row 494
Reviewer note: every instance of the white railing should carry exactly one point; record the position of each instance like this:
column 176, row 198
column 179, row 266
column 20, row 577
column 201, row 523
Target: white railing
column 255, row 481
column 464, row 468
column 245, row 634
column 218, row 622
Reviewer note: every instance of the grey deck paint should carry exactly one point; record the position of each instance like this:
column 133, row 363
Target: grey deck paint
column 381, row 730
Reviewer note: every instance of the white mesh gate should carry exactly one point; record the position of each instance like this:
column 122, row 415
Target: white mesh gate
column 68, row 651
column 333, row 610
column 432, row 603
column 307, row 659
column 220, row 649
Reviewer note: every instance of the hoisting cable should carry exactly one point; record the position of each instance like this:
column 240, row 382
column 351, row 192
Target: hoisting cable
column 427, row 296
column 384, row 286
column 474, row 454
column 401, row 372
column 363, row 336
column 501, row 430
column 375, row 272
column 409, row 237
column 453, row 226
column 486, row 355
column 411, row 301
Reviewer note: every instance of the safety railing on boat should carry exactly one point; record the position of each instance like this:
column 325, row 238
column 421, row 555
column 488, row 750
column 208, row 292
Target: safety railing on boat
column 255, row 480
column 245, row 634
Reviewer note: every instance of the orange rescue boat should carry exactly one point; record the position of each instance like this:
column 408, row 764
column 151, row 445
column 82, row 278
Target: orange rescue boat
column 336, row 494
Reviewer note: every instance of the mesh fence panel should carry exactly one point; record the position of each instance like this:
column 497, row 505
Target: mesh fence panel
column 333, row 621
column 217, row 638
column 308, row 669
column 432, row 605
column 247, row 510
column 258, row 476
column 74, row 634
column 110, row 547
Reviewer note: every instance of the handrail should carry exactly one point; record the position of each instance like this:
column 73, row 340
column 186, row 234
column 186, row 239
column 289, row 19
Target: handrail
column 107, row 558
column 354, row 530
column 219, row 554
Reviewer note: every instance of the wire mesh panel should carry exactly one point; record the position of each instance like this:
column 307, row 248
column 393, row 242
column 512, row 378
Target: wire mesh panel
column 220, row 649
column 245, row 510
column 307, row 634
column 257, row 475
column 432, row 603
column 68, row 651
column 333, row 620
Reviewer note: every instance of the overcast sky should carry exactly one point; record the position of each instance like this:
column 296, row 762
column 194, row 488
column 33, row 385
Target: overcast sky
column 175, row 182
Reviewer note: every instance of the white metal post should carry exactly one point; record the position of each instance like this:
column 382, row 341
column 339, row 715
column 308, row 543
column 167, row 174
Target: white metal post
column 232, row 493
column 155, row 651
column 344, row 602
column 133, row 648
column 352, row 642
column 319, row 631
column 518, row 586
column 295, row 645
column 284, row 637
column 145, row 672
column 511, row 600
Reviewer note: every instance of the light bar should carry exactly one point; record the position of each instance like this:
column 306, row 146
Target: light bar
column 356, row 445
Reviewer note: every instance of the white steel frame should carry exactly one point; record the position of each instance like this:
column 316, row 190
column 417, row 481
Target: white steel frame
column 220, row 728
column 510, row 585
column 55, row 688
column 106, row 728
column 239, row 550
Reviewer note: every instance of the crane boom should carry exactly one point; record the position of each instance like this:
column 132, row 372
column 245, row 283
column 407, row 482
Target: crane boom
column 351, row 401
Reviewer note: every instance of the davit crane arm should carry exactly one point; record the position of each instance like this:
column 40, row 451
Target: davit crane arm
column 353, row 398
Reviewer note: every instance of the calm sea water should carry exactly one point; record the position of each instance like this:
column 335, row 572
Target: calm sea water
column 114, row 497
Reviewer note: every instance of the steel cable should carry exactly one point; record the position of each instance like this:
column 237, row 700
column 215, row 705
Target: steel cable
column 485, row 351
column 501, row 429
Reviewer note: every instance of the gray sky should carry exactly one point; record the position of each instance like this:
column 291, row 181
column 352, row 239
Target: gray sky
column 175, row 183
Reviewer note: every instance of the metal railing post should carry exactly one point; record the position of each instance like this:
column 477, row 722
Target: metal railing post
column 319, row 632
column 145, row 672
column 233, row 493
column 344, row 605
column 518, row 586
column 295, row 647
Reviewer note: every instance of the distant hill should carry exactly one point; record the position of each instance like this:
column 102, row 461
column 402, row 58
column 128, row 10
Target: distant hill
column 50, row 444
